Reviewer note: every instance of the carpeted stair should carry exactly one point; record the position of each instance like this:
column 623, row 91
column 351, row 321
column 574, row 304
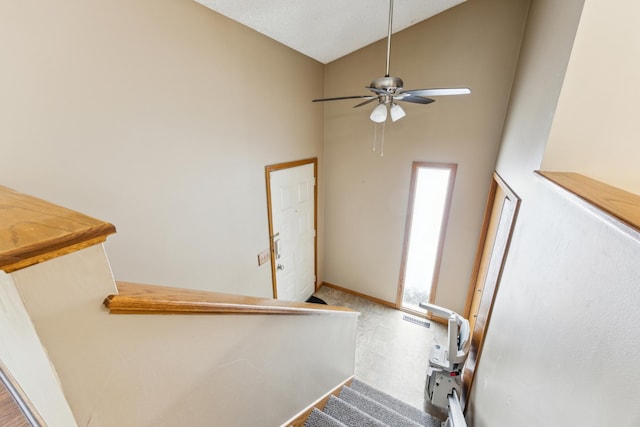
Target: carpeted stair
column 362, row 405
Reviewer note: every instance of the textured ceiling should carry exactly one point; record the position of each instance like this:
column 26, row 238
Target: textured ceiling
column 327, row 29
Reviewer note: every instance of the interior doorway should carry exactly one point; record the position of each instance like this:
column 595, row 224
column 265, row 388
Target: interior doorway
column 292, row 210
column 429, row 200
column 499, row 221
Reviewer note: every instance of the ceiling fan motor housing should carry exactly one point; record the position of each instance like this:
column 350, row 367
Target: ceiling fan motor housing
column 389, row 84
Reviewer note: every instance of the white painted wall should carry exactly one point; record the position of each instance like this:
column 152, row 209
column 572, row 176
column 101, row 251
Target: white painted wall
column 26, row 360
column 595, row 130
column 562, row 323
column 475, row 44
column 169, row 370
column 160, row 118
column 561, row 333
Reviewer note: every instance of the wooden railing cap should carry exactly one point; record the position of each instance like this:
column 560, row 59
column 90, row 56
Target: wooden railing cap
column 135, row 298
column 33, row 230
column 620, row 204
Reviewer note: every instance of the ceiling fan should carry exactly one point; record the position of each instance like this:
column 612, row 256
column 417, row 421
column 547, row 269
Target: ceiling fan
column 389, row 90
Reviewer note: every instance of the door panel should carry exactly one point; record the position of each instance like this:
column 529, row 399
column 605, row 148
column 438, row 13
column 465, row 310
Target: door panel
column 486, row 256
column 499, row 221
column 292, row 226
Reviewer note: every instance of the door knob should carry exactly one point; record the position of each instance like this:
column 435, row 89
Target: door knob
column 280, row 267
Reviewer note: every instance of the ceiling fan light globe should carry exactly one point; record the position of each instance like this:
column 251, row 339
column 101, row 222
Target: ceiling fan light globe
column 379, row 114
column 397, row 112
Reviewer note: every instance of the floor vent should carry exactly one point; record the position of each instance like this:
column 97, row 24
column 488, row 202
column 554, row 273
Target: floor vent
column 417, row 321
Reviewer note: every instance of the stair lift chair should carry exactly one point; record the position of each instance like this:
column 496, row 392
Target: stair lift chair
column 445, row 366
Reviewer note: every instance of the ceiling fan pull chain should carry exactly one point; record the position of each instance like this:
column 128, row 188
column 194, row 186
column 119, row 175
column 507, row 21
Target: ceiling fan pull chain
column 384, row 125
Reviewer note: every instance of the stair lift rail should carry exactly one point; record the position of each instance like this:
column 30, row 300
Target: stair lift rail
column 455, row 415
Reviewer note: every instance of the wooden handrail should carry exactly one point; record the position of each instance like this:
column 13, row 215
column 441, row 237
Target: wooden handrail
column 33, row 230
column 620, row 204
column 135, row 298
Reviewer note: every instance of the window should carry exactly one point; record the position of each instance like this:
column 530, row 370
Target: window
column 429, row 201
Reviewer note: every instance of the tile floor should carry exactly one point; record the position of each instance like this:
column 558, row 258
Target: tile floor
column 391, row 353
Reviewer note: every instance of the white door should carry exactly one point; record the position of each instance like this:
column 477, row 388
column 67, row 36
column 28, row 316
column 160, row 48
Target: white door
column 292, row 213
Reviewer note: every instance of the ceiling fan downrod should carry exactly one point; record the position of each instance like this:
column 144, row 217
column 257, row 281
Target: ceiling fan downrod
column 387, row 86
column 389, row 37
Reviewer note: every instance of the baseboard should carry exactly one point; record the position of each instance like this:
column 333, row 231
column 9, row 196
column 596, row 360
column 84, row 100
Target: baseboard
column 429, row 316
column 358, row 294
column 301, row 418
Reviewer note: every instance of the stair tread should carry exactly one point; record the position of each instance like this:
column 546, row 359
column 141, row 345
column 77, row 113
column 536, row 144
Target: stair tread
column 361, row 405
column 376, row 409
column 415, row 414
column 318, row 418
column 349, row 414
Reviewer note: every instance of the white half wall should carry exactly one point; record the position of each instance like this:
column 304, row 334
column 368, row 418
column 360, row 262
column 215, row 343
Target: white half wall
column 169, row 370
column 22, row 353
column 562, row 335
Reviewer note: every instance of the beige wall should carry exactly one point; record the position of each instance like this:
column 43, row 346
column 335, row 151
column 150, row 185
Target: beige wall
column 550, row 31
column 559, row 327
column 474, row 44
column 160, row 118
column 595, row 131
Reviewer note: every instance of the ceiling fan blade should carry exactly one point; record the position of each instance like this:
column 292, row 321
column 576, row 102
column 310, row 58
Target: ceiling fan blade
column 373, row 98
column 437, row 92
column 341, row 97
column 416, row 99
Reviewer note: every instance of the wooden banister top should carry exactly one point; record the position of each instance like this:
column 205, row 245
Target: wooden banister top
column 138, row 298
column 621, row 204
column 33, row 230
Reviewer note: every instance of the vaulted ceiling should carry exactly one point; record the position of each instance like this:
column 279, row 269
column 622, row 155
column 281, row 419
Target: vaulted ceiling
column 328, row 29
